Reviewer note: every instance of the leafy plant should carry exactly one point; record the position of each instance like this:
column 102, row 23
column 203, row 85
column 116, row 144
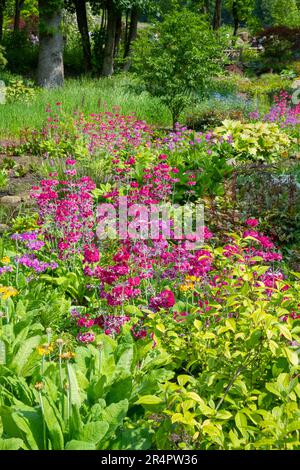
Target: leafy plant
column 175, row 63
column 259, row 141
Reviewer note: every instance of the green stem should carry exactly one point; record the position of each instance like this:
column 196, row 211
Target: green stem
column 44, row 424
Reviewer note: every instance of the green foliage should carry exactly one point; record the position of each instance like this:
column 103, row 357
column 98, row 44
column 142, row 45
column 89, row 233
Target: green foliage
column 213, row 111
column 21, row 54
column 3, row 179
column 261, row 88
column 83, row 404
column 19, row 90
column 3, row 60
column 283, row 12
column 259, row 141
column 174, row 62
column 241, row 8
column 239, row 370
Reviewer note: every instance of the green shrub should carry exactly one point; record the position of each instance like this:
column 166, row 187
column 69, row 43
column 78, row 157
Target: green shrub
column 266, row 86
column 256, row 141
column 21, row 54
column 212, row 112
column 176, row 62
column 20, row 90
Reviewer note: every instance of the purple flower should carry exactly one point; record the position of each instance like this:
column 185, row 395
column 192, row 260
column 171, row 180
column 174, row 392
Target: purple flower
column 35, row 245
column 26, row 236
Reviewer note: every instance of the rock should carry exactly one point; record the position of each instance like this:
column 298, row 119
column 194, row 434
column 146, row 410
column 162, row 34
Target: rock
column 25, row 197
column 11, row 201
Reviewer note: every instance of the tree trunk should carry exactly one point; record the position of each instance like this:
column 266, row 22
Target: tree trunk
column 118, row 33
column 218, row 15
column 18, row 6
column 2, row 8
column 235, row 14
column 126, row 30
column 133, row 30
column 51, row 65
column 108, row 55
column 80, row 6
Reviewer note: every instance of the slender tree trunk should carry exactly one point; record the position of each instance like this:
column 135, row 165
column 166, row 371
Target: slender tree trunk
column 217, row 15
column 118, row 33
column 18, row 6
column 2, row 8
column 80, row 6
column 51, row 66
column 133, row 30
column 108, row 55
column 126, row 30
column 235, row 14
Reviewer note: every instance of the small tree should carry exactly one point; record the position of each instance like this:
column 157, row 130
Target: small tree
column 176, row 59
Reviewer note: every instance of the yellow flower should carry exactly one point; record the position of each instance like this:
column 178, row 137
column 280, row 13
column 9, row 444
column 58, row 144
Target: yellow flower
column 187, row 287
column 5, row 260
column 192, row 278
column 45, row 349
column 7, row 291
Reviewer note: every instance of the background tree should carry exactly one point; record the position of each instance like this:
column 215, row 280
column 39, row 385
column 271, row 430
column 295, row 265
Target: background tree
column 108, row 54
column 132, row 34
column 79, row 7
column 18, row 7
column 217, row 14
column 2, row 9
column 176, row 62
column 50, row 66
column 285, row 13
column 241, row 11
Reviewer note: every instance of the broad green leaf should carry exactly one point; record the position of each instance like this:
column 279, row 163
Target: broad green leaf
column 24, row 352
column 234, row 439
column 148, row 400
column 73, row 386
column 241, row 421
column 114, row 414
column 11, row 444
column 53, row 425
column 94, row 431
column 292, row 356
column 285, row 332
column 80, row 445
